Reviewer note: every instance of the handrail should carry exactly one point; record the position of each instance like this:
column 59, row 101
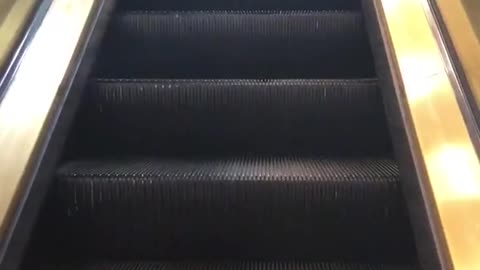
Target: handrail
column 440, row 144
column 34, row 93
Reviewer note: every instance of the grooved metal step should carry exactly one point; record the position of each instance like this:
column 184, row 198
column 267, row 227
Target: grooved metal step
column 238, row 5
column 158, row 117
column 225, row 266
column 254, row 207
column 237, row 44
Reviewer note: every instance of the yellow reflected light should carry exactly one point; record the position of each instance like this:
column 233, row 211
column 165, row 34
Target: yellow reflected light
column 447, row 152
column 25, row 107
column 14, row 15
column 462, row 20
column 422, row 75
column 453, row 164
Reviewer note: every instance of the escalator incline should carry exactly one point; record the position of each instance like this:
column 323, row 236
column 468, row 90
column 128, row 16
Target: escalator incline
column 229, row 135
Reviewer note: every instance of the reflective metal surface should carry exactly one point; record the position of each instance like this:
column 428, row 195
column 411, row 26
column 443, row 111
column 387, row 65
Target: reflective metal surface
column 14, row 15
column 445, row 149
column 462, row 20
column 26, row 105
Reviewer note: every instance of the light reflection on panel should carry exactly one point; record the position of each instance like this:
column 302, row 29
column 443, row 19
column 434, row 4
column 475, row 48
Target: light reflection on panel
column 14, row 15
column 25, row 107
column 447, row 152
column 462, row 20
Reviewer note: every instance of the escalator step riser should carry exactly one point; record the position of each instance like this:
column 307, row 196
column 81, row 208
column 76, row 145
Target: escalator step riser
column 225, row 266
column 238, row 5
column 248, row 207
column 237, row 45
column 223, row 116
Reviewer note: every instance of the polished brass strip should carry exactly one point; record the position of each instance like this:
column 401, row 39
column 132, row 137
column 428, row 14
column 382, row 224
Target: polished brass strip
column 14, row 15
column 462, row 20
column 25, row 107
column 445, row 147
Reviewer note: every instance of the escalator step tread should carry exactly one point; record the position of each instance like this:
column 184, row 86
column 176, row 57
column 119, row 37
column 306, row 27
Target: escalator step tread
column 237, row 44
column 237, row 4
column 197, row 116
column 230, row 207
column 226, row 266
column 274, row 168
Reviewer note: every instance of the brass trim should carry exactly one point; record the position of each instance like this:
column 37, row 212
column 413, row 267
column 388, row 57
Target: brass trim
column 445, row 149
column 25, row 108
column 14, row 15
column 462, row 20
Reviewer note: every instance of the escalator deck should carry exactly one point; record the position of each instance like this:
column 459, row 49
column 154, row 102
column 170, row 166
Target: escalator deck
column 229, row 135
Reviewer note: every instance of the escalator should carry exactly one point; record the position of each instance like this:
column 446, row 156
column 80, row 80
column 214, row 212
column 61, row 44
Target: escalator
column 243, row 135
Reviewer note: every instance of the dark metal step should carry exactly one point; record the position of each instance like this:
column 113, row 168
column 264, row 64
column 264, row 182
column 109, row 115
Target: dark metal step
column 151, row 117
column 255, row 207
column 238, row 5
column 223, row 266
column 234, row 44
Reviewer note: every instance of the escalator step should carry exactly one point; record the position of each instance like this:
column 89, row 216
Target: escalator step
column 226, row 266
column 238, row 5
column 229, row 134
column 235, row 44
column 150, row 117
column 255, row 207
